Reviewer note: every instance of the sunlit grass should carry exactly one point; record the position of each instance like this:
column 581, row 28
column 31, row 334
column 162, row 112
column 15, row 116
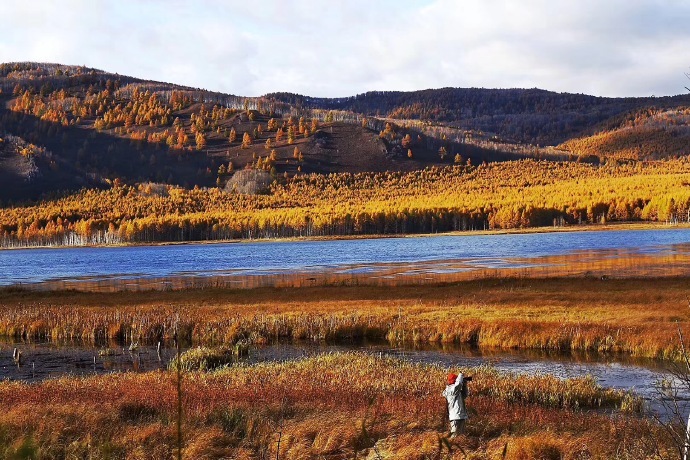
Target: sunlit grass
column 338, row 406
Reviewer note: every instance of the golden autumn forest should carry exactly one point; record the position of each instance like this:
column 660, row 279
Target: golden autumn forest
column 95, row 158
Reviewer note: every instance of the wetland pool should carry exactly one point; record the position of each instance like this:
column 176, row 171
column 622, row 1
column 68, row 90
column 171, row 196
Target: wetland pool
column 50, row 360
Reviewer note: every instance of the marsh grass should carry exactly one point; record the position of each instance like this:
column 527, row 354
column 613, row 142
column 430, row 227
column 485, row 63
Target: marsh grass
column 329, row 406
column 342, row 405
column 639, row 317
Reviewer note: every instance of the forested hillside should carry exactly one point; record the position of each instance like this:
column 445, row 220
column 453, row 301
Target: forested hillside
column 91, row 128
column 647, row 134
column 157, row 161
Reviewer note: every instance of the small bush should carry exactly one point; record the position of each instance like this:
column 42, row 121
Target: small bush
column 137, row 413
column 202, row 359
column 232, row 421
column 249, row 182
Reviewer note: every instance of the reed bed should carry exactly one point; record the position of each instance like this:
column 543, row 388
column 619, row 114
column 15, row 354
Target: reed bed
column 332, row 406
column 639, row 316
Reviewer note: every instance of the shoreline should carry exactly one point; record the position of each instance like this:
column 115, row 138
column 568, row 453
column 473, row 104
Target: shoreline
column 615, row 226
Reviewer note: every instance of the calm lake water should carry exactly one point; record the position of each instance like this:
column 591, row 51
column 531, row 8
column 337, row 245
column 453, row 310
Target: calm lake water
column 427, row 256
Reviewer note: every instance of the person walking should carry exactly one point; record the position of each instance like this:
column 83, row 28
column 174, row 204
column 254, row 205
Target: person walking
column 455, row 394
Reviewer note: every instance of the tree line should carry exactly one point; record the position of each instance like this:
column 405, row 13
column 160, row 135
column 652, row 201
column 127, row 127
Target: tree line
column 515, row 194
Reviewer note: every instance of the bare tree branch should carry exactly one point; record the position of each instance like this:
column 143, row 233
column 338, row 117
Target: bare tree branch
column 682, row 347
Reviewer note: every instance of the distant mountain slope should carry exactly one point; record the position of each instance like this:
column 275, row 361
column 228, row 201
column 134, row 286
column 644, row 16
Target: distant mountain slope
column 90, row 128
column 101, row 127
column 27, row 169
column 649, row 134
column 530, row 116
column 46, row 77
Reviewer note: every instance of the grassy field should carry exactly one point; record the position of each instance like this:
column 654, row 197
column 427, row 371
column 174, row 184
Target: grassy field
column 338, row 406
column 637, row 316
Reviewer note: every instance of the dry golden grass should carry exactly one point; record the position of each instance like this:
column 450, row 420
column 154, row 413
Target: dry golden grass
column 637, row 316
column 332, row 406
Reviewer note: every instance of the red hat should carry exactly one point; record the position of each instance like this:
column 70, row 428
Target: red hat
column 451, row 378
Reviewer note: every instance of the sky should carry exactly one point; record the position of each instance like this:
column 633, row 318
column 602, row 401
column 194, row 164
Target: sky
column 334, row 48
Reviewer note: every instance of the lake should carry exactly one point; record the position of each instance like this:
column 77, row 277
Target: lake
column 382, row 261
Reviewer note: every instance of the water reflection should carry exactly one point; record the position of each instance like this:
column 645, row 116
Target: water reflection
column 614, row 263
column 383, row 262
column 49, row 360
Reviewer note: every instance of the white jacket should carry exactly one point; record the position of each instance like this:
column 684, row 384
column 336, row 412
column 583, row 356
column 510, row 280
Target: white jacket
column 456, row 403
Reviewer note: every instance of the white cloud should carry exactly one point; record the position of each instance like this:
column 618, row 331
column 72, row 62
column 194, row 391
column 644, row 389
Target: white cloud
column 340, row 47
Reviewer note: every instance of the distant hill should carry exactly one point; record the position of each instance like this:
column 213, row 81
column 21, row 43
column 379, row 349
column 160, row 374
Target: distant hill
column 531, row 116
column 68, row 127
column 648, row 134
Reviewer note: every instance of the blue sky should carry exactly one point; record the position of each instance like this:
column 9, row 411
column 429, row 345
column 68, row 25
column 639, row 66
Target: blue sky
column 339, row 48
